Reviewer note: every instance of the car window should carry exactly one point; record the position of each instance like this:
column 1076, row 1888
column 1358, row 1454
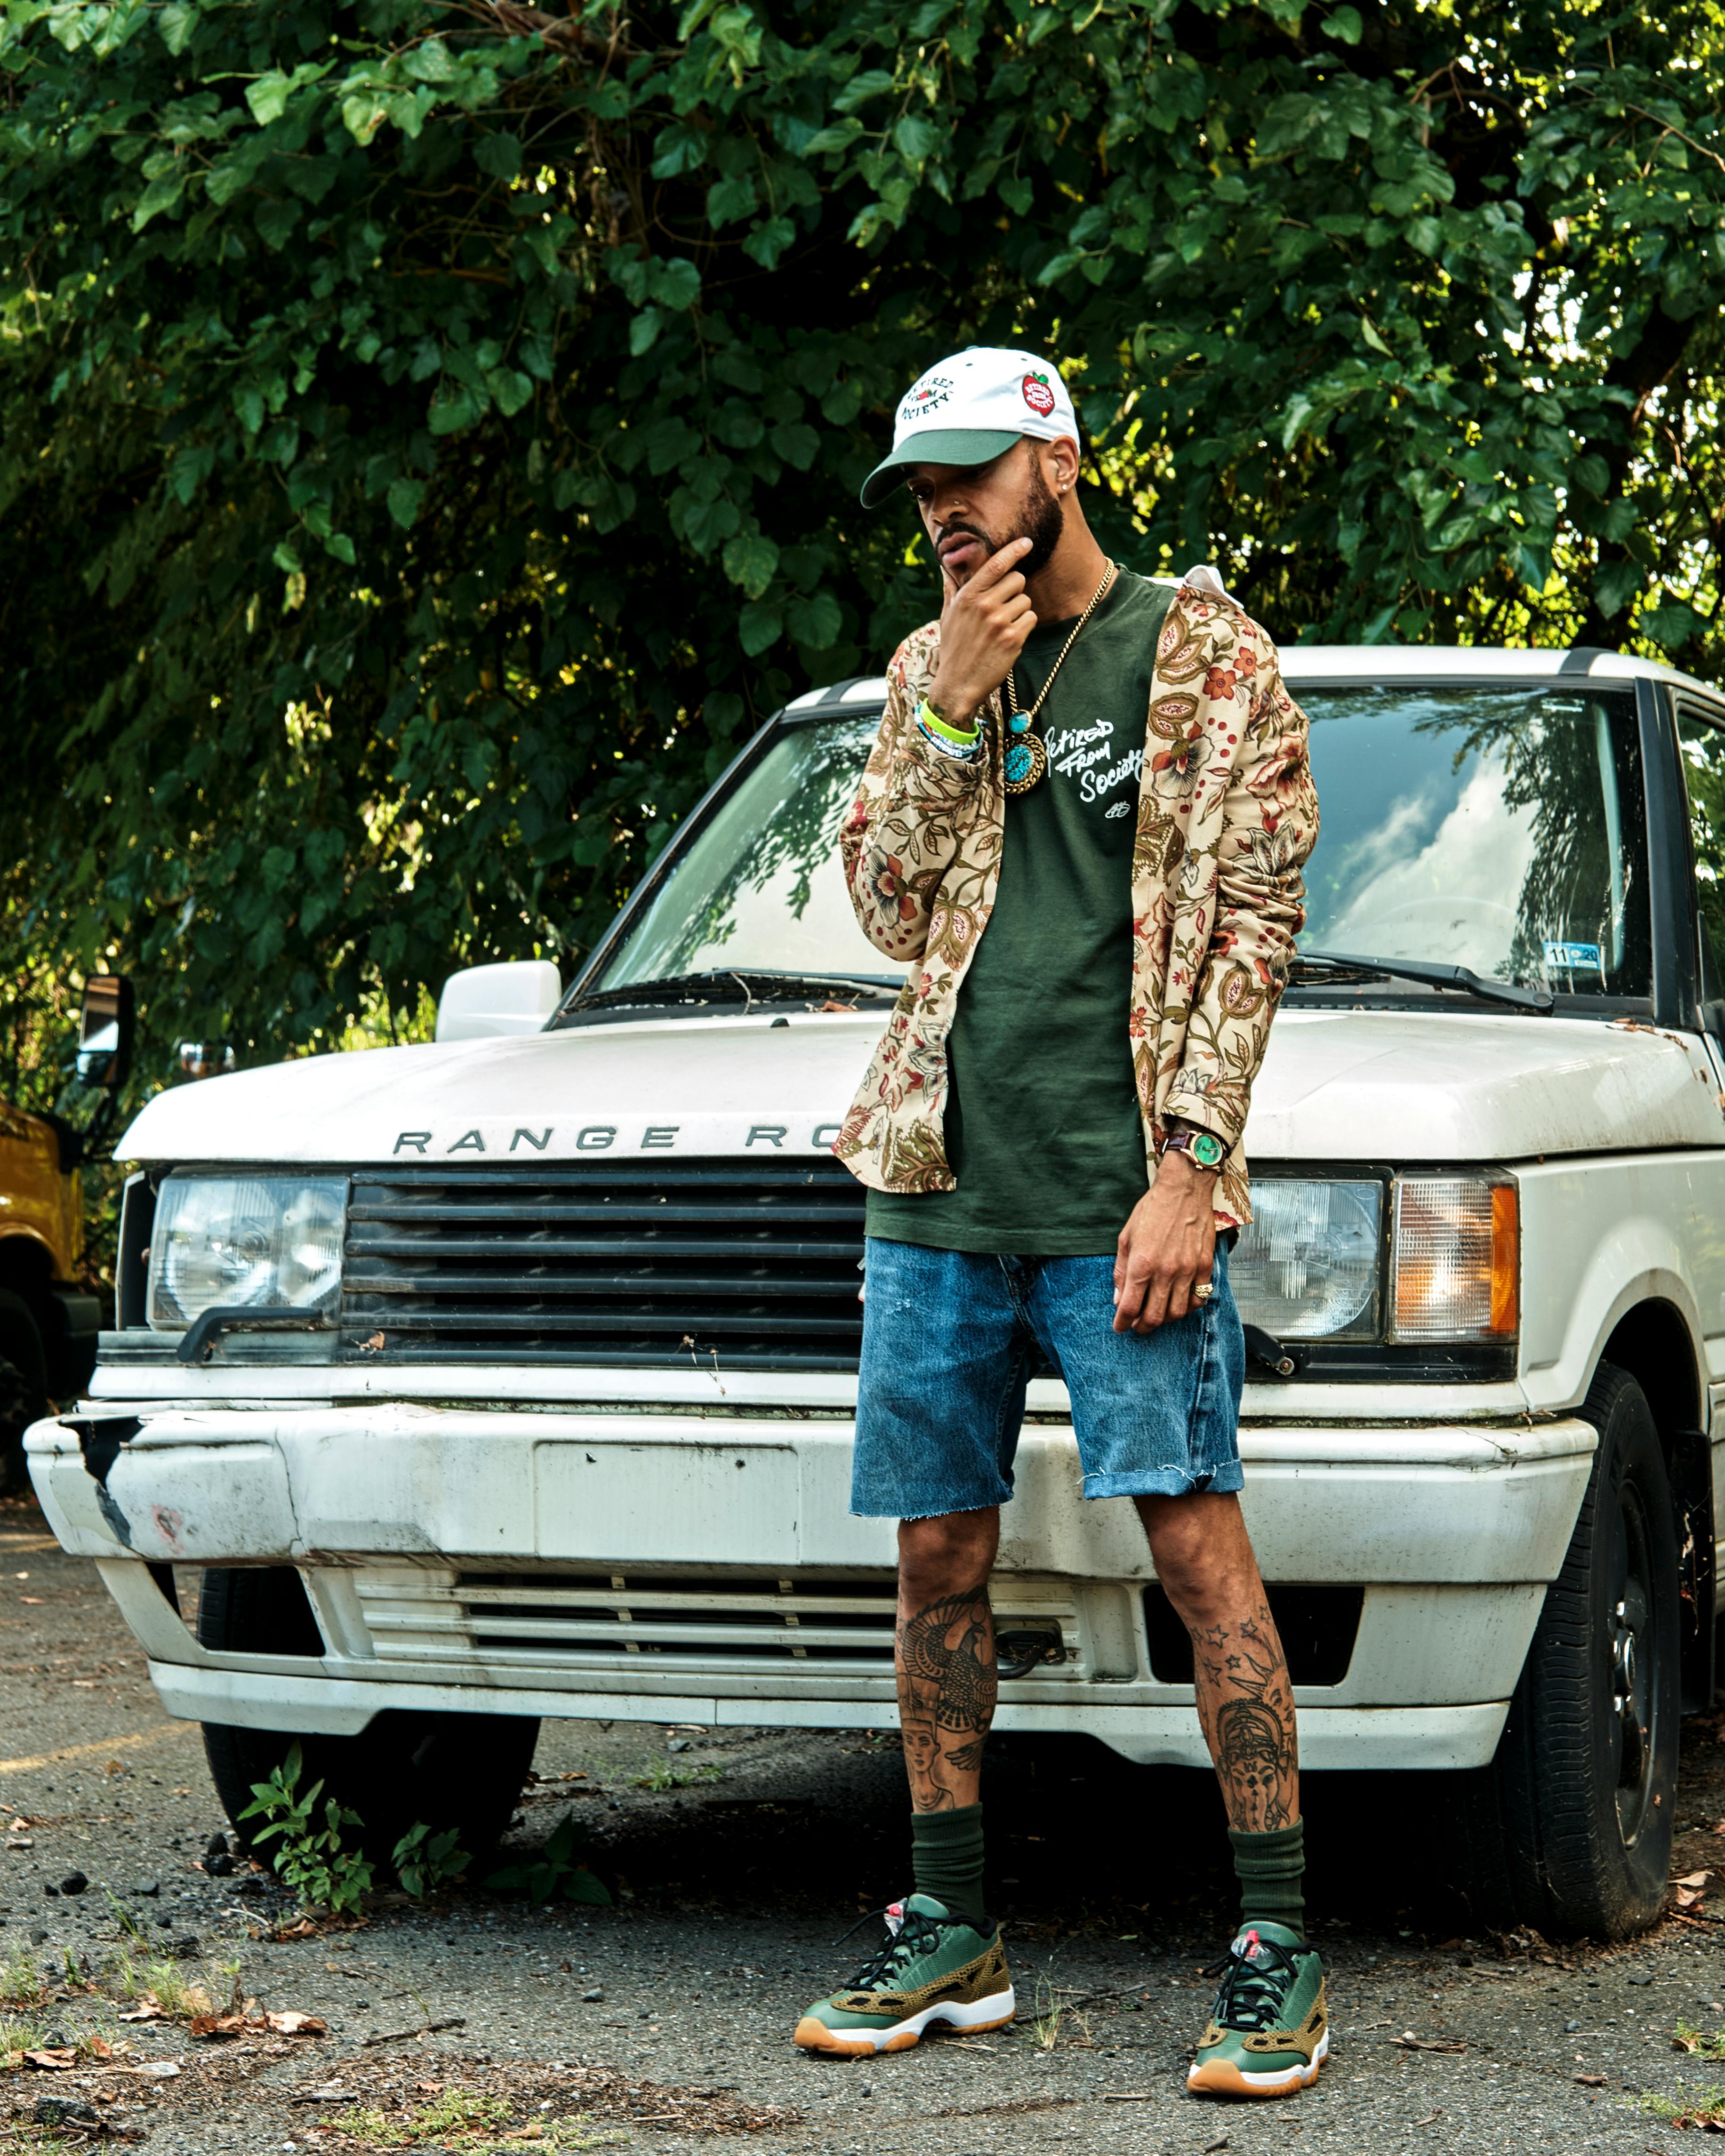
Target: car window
column 1501, row 830
column 759, row 886
column 1701, row 738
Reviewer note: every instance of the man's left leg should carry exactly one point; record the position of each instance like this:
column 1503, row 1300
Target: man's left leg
column 1268, row 2033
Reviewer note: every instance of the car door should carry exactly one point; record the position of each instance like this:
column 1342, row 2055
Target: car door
column 1701, row 737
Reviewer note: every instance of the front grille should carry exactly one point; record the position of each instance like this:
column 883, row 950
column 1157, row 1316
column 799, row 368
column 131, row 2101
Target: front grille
column 527, row 1620
column 748, row 1264
column 808, row 1625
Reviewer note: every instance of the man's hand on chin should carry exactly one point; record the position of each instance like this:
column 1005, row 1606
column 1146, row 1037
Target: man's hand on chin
column 1167, row 1247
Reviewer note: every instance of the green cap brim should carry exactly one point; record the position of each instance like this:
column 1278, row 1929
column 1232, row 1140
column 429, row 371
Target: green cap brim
column 966, row 446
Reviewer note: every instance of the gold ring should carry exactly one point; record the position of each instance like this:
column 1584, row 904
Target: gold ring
column 1204, row 1291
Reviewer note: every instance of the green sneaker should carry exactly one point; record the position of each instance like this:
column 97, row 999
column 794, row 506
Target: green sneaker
column 932, row 1967
column 1269, row 2031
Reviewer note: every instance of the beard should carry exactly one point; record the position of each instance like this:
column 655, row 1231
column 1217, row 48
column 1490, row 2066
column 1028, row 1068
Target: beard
column 1039, row 520
column 1041, row 523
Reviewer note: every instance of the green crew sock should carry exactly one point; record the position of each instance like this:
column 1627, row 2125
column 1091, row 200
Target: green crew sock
column 1271, row 1870
column 946, row 1857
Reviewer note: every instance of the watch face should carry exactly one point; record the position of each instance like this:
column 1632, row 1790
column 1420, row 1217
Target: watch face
column 1207, row 1150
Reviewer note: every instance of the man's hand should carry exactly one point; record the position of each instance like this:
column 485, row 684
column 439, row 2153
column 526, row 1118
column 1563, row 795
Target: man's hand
column 1166, row 1248
column 983, row 626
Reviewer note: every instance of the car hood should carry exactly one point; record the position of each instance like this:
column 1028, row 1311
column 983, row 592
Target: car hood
column 1365, row 1086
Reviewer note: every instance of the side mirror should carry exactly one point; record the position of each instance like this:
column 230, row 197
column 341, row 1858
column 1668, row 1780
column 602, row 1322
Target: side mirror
column 205, row 1059
column 482, row 1001
column 105, row 1032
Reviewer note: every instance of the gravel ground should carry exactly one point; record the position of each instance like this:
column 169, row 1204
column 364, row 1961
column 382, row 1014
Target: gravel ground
column 665, row 2021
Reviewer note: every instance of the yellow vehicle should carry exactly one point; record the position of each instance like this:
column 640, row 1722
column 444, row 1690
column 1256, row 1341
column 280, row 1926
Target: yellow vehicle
column 48, row 1320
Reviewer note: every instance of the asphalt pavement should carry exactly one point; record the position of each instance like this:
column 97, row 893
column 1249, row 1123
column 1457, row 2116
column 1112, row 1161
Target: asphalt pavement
column 736, row 1860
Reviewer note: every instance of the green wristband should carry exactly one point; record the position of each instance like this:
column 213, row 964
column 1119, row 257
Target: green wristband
column 931, row 721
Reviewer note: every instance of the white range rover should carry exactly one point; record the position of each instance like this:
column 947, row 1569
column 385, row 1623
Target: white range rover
column 513, row 1376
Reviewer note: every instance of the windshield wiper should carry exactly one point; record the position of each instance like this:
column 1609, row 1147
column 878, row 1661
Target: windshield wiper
column 746, row 986
column 1511, row 992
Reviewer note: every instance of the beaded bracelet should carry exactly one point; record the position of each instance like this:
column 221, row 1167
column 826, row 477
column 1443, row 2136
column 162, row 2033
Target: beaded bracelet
column 961, row 747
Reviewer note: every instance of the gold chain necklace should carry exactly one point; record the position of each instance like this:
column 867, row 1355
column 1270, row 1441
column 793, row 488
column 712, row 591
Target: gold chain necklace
column 1025, row 763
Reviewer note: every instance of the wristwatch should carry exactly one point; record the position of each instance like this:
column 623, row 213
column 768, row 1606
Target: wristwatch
column 1206, row 1148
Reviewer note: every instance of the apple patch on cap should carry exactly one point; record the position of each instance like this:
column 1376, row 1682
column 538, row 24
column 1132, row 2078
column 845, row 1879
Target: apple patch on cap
column 1038, row 395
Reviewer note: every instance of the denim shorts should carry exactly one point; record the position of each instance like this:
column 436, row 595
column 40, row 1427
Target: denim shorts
column 950, row 1339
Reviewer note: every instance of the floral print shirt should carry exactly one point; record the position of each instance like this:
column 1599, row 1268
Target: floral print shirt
column 1227, row 816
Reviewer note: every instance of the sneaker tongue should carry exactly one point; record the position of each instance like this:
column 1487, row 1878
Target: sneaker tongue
column 925, row 1905
column 1249, row 1944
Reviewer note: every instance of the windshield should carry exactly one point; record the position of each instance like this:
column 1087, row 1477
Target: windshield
column 759, row 889
column 1499, row 829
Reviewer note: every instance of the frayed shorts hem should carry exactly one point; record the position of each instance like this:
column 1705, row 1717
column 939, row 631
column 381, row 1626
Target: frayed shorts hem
column 1167, row 1482
column 925, row 1508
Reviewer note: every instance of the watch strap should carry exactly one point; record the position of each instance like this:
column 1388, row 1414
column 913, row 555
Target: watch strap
column 1205, row 1148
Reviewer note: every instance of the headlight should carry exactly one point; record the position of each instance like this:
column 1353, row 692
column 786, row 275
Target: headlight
column 1457, row 1258
column 251, row 1239
column 1308, row 1266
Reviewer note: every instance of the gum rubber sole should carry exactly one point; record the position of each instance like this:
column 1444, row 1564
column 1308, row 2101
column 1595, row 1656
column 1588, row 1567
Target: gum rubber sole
column 813, row 2033
column 1222, row 2077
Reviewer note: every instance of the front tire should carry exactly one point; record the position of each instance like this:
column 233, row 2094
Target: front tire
column 460, row 1770
column 1570, row 1827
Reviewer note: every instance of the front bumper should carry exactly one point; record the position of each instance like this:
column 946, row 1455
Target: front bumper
column 703, row 1566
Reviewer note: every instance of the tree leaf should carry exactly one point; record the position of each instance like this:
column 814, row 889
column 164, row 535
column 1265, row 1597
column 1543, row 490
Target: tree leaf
column 429, row 62
column 798, row 445
column 759, row 626
column 815, row 622
column 675, row 284
column 160, row 194
column 268, row 97
column 752, row 560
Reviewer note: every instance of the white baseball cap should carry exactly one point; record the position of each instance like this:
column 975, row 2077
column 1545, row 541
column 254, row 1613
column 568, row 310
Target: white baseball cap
column 970, row 409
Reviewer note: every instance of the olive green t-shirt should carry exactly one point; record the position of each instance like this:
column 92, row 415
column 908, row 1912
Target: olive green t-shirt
column 1042, row 1123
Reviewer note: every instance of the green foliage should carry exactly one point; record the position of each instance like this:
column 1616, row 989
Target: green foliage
column 165, row 1982
column 18, row 2036
column 428, row 449
column 1702, row 2108
column 125, row 1919
column 662, row 1775
column 468, row 2119
column 1687, row 2038
column 423, row 1860
column 454, row 2118
column 309, row 1857
column 558, row 1870
column 22, row 1983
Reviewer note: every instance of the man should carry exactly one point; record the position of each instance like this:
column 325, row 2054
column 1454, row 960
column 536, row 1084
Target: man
column 1083, row 824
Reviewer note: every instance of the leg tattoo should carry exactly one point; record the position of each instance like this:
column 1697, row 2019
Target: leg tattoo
column 946, row 1694
column 1246, row 1705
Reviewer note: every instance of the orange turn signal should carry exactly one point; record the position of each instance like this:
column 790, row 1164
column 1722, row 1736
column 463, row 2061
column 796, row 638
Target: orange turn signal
column 1506, row 1259
column 1457, row 1258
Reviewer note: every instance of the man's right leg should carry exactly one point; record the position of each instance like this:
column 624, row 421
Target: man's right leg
column 940, row 1397
column 944, row 1656
column 942, row 1962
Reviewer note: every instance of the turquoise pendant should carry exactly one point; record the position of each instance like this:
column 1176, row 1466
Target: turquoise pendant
column 1024, row 763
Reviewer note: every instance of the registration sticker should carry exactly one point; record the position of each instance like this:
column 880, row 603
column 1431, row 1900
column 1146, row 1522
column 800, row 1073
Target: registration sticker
column 1574, row 958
